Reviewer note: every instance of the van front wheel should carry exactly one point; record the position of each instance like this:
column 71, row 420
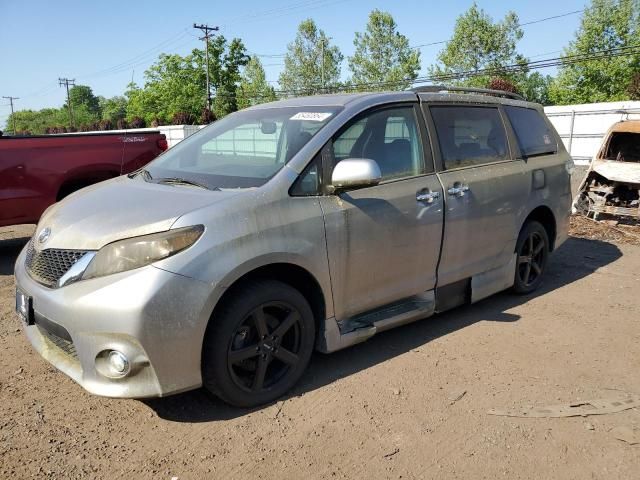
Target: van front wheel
column 258, row 344
column 532, row 250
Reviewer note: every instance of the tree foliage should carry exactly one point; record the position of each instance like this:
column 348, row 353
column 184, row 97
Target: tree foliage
column 605, row 25
column 312, row 64
column 383, row 59
column 254, row 88
column 634, row 87
column 81, row 96
column 177, row 84
column 478, row 43
column 113, row 109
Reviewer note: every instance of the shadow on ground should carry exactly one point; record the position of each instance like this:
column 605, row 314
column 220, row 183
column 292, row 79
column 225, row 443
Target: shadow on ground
column 576, row 259
column 9, row 251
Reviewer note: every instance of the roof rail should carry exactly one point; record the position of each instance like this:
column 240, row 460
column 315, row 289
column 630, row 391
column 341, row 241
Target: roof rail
column 484, row 91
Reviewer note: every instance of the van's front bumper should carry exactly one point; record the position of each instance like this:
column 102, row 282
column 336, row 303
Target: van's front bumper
column 154, row 317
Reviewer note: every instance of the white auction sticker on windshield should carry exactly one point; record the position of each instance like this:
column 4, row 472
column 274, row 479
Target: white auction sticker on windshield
column 311, row 116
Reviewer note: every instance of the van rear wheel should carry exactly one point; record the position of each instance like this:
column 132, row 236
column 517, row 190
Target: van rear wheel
column 258, row 344
column 532, row 250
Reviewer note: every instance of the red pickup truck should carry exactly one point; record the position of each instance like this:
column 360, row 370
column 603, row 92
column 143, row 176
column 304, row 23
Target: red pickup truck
column 37, row 171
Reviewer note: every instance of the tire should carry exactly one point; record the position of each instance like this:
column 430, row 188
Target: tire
column 259, row 344
column 532, row 250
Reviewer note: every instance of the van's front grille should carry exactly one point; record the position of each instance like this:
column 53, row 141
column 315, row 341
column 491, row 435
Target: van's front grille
column 47, row 266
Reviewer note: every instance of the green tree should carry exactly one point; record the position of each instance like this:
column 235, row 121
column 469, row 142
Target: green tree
column 228, row 78
column 82, row 96
column 114, row 108
column 535, row 87
column 311, row 64
column 38, row 121
column 176, row 84
column 478, row 43
column 254, row 88
column 605, row 25
column 383, row 59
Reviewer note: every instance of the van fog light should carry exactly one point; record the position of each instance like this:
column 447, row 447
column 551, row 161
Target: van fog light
column 118, row 362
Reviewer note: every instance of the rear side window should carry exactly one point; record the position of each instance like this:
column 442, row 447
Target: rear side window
column 470, row 136
column 532, row 131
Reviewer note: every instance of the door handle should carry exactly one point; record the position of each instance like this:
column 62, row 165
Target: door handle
column 427, row 196
column 458, row 190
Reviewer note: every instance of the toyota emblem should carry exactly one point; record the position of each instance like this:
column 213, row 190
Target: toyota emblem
column 44, row 235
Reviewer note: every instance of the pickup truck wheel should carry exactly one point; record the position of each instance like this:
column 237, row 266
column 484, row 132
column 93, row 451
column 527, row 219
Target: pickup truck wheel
column 532, row 250
column 258, row 344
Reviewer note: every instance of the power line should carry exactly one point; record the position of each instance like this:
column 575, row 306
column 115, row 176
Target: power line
column 207, row 35
column 140, row 58
column 66, row 82
column 282, row 11
column 11, row 99
column 532, row 22
column 514, row 68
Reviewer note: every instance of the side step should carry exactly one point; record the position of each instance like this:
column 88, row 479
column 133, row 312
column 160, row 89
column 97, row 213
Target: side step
column 360, row 328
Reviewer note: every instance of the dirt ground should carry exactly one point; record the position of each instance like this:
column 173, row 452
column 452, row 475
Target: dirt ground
column 410, row 403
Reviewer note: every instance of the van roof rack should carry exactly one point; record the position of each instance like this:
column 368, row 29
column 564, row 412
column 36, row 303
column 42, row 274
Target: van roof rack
column 484, row 91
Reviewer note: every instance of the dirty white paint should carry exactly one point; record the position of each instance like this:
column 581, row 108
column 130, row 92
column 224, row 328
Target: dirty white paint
column 618, row 171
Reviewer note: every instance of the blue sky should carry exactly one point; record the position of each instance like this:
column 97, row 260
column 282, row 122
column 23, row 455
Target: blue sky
column 43, row 40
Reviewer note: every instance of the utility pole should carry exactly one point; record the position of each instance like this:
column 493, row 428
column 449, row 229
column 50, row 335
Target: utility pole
column 207, row 35
column 13, row 117
column 66, row 82
column 322, row 40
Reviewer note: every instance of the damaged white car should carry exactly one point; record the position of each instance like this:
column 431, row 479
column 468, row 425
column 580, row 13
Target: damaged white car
column 612, row 184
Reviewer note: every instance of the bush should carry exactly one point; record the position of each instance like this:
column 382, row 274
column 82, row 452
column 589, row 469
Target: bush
column 121, row 124
column 137, row 122
column 502, row 84
column 634, row 87
column 182, row 118
column 207, row 116
column 105, row 125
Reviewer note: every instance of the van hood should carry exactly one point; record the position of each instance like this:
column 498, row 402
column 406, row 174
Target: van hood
column 120, row 208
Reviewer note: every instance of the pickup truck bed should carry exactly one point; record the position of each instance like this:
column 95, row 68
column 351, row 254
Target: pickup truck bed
column 37, row 171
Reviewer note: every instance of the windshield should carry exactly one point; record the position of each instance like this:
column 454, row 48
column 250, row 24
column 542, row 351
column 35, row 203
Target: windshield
column 624, row 147
column 243, row 150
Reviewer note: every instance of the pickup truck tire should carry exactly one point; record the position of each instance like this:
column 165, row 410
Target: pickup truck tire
column 532, row 250
column 258, row 343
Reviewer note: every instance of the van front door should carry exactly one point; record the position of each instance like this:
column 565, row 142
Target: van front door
column 383, row 241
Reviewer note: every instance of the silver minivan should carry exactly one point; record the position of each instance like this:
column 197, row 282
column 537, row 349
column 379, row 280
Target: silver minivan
column 306, row 223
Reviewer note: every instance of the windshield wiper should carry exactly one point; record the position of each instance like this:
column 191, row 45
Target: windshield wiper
column 143, row 171
column 184, row 181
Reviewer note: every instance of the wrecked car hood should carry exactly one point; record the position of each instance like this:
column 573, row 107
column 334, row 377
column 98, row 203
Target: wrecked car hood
column 627, row 172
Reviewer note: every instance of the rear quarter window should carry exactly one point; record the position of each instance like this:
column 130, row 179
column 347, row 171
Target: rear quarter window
column 532, row 131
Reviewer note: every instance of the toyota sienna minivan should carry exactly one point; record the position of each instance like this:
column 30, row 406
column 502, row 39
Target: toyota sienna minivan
column 307, row 223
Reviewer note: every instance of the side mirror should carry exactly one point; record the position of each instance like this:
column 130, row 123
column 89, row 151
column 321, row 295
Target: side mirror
column 355, row 173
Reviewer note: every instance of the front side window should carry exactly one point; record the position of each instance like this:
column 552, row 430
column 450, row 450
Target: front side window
column 244, row 149
column 470, row 136
column 533, row 133
column 390, row 137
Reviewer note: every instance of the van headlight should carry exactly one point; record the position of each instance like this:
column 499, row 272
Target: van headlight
column 137, row 252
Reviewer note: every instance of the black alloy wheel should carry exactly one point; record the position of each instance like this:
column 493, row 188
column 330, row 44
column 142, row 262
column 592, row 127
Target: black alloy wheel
column 266, row 347
column 532, row 251
column 258, row 343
